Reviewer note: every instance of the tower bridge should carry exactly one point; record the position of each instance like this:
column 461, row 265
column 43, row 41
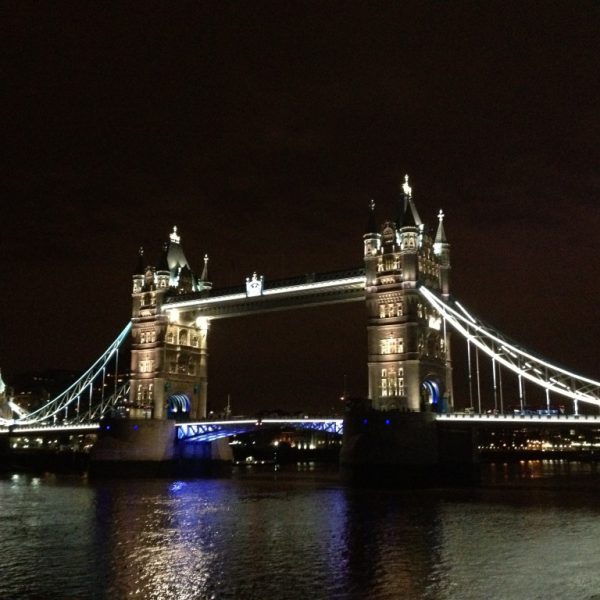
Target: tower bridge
column 409, row 364
column 411, row 319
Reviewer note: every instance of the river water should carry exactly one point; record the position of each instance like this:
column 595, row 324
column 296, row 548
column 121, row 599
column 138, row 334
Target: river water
column 530, row 530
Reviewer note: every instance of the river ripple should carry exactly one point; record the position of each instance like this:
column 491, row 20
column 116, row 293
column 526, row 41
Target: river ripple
column 532, row 530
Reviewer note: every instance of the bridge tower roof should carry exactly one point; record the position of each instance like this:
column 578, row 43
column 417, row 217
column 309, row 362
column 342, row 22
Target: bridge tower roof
column 409, row 217
column 163, row 263
column 175, row 256
column 140, row 267
column 440, row 236
column 371, row 225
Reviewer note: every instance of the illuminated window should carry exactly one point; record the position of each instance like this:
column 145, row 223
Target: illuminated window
column 390, row 263
column 392, row 382
column 170, row 337
column 150, row 391
column 384, row 383
column 391, row 309
column 392, row 345
column 143, row 338
column 146, row 366
column 183, row 337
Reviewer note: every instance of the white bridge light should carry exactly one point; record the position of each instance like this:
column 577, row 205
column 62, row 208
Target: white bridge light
column 202, row 323
column 435, row 323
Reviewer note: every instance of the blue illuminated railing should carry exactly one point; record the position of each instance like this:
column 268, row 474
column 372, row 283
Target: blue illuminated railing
column 208, row 431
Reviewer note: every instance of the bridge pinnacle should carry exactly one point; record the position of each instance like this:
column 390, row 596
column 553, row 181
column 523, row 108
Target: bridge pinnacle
column 440, row 236
column 140, row 266
column 406, row 188
column 204, row 276
column 174, row 237
column 371, row 226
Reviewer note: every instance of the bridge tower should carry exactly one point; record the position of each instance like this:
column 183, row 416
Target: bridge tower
column 408, row 345
column 169, row 351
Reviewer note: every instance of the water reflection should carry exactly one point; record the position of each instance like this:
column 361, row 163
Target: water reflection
column 530, row 531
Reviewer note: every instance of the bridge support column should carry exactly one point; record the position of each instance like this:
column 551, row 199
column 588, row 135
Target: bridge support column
column 400, row 447
column 134, row 443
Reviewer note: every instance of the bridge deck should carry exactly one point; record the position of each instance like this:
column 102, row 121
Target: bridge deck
column 499, row 419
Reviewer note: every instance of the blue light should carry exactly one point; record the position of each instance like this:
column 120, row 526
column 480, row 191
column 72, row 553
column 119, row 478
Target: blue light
column 365, row 421
column 135, row 427
column 387, row 421
column 107, row 427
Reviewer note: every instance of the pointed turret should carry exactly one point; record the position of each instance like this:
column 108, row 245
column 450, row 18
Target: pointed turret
column 204, row 283
column 371, row 238
column 175, row 257
column 440, row 236
column 441, row 248
column 163, row 263
column 138, row 276
column 139, row 265
column 163, row 275
column 371, row 244
column 371, row 225
column 410, row 217
column 204, row 276
column 186, row 282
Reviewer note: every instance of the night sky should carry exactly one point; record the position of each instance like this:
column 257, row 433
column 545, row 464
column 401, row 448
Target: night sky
column 262, row 130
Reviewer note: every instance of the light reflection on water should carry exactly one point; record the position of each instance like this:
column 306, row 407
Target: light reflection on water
column 531, row 531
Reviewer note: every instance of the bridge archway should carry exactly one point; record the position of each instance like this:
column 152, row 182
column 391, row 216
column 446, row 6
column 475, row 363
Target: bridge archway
column 431, row 396
column 178, row 407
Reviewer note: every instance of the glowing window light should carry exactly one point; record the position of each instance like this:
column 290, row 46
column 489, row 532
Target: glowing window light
column 202, row 323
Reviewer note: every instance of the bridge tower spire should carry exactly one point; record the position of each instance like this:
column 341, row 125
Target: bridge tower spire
column 441, row 248
column 408, row 351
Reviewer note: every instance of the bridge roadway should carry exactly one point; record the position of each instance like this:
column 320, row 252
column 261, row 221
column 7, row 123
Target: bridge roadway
column 489, row 419
column 315, row 289
column 211, row 430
